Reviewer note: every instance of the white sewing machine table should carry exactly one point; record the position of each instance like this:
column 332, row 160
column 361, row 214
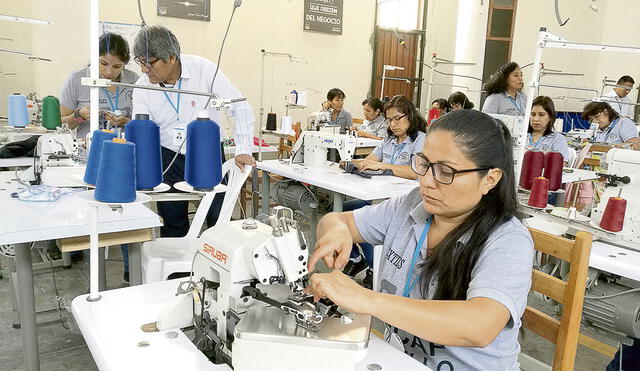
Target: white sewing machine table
column 117, row 342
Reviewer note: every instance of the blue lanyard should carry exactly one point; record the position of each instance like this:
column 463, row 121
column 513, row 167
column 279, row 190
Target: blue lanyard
column 534, row 145
column 176, row 107
column 515, row 102
column 410, row 282
column 114, row 107
column 394, row 155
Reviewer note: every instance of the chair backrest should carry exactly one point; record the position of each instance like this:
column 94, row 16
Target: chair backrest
column 565, row 332
column 234, row 182
column 357, row 120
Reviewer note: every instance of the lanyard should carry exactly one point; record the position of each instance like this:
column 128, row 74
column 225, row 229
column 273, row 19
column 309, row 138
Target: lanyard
column 409, row 283
column 114, row 107
column 534, row 145
column 515, row 103
column 394, row 155
column 176, row 107
column 608, row 130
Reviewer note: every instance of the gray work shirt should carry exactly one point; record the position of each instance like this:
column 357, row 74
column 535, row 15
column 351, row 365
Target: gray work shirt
column 554, row 142
column 343, row 119
column 619, row 131
column 504, row 104
column 621, row 105
column 502, row 273
column 392, row 152
column 74, row 95
column 378, row 126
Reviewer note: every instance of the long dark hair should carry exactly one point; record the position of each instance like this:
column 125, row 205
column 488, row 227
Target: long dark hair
column 498, row 81
column 461, row 99
column 487, row 143
column 405, row 106
column 443, row 104
column 547, row 104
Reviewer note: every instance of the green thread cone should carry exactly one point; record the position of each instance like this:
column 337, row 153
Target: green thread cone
column 51, row 112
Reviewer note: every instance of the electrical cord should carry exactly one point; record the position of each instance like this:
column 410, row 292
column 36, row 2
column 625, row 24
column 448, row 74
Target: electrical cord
column 142, row 23
column 591, row 297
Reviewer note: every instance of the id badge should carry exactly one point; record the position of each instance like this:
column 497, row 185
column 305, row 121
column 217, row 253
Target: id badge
column 179, row 135
column 393, row 339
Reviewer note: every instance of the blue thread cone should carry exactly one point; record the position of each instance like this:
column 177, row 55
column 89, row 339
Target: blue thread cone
column 93, row 161
column 18, row 114
column 145, row 134
column 203, row 163
column 116, row 180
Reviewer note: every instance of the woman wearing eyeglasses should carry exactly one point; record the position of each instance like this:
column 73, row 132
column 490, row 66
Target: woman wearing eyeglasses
column 456, row 262
column 612, row 129
column 115, row 102
column 540, row 133
column 405, row 136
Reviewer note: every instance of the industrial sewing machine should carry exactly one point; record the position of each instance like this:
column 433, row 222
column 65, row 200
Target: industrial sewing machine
column 312, row 146
column 620, row 313
column 245, row 300
column 316, row 120
column 57, row 160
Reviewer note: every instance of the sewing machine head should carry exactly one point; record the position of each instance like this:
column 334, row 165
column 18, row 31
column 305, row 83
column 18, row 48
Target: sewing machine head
column 312, row 146
column 318, row 119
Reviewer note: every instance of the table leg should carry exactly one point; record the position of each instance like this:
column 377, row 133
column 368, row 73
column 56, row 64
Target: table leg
column 14, row 297
column 135, row 264
column 66, row 260
column 255, row 187
column 102, row 281
column 27, row 307
column 337, row 202
column 266, row 185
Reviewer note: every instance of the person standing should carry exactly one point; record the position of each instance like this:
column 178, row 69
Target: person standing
column 504, row 90
column 620, row 101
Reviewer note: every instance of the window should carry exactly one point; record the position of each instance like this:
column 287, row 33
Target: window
column 400, row 14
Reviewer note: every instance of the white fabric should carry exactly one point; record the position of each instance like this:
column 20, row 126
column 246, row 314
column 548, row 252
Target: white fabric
column 624, row 110
column 196, row 75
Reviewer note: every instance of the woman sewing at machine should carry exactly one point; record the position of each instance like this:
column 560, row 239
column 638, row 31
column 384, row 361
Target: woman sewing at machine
column 456, row 263
column 405, row 136
column 504, row 91
column 115, row 102
column 541, row 135
column 334, row 104
column 375, row 124
column 612, row 129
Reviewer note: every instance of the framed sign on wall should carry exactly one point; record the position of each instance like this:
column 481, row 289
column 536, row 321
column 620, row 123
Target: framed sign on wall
column 198, row 10
column 323, row 16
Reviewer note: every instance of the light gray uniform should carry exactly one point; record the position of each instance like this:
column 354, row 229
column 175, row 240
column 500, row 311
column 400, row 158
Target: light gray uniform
column 624, row 110
column 502, row 273
column 392, row 152
column 377, row 126
column 504, row 104
column 343, row 119
column 74, row 95
column 554, row 142
column 619, row 131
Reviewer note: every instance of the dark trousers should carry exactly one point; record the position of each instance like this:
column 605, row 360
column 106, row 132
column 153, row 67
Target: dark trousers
column 367, row 248
column 630, row 357
column 175, row 213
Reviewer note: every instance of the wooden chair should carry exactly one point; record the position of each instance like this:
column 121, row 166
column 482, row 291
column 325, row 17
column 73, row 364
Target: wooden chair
column 286, row 144
column 565, row 333
column 357, row 121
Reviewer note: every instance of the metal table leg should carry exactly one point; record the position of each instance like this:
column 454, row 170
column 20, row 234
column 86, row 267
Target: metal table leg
column 27, row 307
column 255, row 187
column 102, row 282
column 337, row 202
column 266, row 185
column 135, row 264
column 14, row 299
column 66, row 260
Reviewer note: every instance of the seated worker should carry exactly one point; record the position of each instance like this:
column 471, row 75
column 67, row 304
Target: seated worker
column 541, row 135
column 441, row 104
column 612, row 129
column 375, row 124
column 74, row 98
column 334, row 104
column 459, row 100
column 622, row 103
column 456, row 262
column 504, row 90
column 405, row 137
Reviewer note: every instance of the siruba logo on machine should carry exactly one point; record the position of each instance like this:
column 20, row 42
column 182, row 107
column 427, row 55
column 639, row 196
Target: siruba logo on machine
column 215, row 253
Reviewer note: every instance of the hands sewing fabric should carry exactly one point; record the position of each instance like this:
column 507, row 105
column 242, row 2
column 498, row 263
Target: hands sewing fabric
column 340, row 289
column 244, row 159
column 115, row 120
column 368, row 165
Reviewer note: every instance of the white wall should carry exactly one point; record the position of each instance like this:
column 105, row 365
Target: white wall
column 276, row 25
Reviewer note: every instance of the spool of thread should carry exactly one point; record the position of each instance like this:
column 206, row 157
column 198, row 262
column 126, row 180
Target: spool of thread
column 203, row 163
column 51, row 112
column 95, row 152
column 286, row 125
column 532, row 165
column 560, row 197
column 553, row 163
column 539, row 191
column 272, row 123
column 145, row 134
column 116, row 181
column 302, row 98
column 613, row 216
column 18, row 113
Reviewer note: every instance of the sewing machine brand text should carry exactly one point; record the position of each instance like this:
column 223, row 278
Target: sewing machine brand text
column 215, row 253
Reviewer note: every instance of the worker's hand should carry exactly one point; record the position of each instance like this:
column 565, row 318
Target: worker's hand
column 326, row 105
column 370, row 165
column 244, row 159
column 115, row 120
column 85, row 112
column 333, row 247
column 340, row 289
column 353, row 127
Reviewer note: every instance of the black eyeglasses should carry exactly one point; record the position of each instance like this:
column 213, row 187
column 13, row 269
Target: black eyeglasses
column 144, row 62
column 442, row 173
column 395, row 118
